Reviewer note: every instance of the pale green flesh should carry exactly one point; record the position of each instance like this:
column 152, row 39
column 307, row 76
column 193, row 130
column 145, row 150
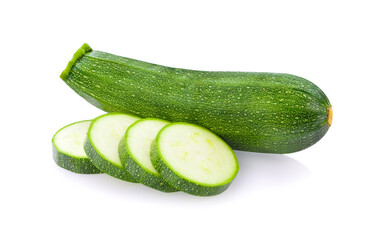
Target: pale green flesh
column 106, row 133
column 69, row 140
column 196, row 154
column 139, row 139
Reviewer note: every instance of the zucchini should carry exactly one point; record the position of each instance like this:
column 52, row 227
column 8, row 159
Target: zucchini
column 261, row 112
column 102, row 141
column 193, row 159
column 134, row 152
column 68, row 150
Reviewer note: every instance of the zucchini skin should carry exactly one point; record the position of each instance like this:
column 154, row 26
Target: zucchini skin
column 141, row 175
column 104, row 165
column 258, row 112
column 73, row 164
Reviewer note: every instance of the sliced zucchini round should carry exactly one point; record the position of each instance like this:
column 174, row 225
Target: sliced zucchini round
column 193, row 159
column 134, row 152
column 68, row 150
column 102, row 141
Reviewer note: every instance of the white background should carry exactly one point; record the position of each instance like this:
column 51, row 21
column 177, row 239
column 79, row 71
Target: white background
column 332, row 190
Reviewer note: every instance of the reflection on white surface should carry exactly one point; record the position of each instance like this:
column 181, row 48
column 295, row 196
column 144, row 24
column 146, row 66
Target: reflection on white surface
column 268, row 170
column 258, row 172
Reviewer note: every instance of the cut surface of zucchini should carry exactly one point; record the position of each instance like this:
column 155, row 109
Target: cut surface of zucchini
column 68, row 148
column 134, row 152
column 102, row 142
column 193, row 159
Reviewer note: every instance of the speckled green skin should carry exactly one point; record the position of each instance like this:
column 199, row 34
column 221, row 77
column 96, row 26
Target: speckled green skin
column 104, row 165
column 179, row 182
column 74, row 164
column 260, row 112
column 141, row 175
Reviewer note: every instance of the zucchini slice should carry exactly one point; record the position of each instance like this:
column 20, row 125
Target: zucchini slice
column 193, row 159
column 102, row 141
column 134, row 152
column 68, row 150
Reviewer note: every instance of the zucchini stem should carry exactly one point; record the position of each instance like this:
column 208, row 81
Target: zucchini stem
column 85, row 48
column 329, row 116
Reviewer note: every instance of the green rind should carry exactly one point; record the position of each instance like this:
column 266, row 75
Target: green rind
column 104, row 165
column 260, row 112
column 179, row 182
column 141, row 175
column 74, row 164
column 85, row 48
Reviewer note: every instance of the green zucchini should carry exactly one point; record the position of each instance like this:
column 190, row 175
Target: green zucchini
column 261, row 112
column 68, row 148
column 134, row 152
column 193, row 159
column 101, row 145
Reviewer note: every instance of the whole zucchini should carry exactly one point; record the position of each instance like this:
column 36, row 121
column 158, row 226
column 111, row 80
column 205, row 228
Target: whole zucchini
column 259, row 112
